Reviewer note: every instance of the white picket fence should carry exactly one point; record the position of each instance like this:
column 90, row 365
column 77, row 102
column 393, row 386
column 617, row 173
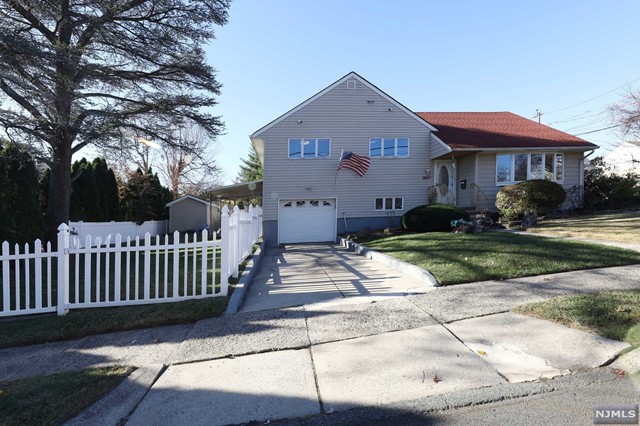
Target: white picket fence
column 126, row 271
column 102, row 231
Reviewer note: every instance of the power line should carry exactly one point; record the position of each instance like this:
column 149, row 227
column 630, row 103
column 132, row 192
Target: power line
column 593, row 99
column 581, row 116
column 598, row 130
column 583, row 125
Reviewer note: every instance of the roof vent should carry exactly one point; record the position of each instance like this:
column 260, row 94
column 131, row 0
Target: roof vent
column 351, row 84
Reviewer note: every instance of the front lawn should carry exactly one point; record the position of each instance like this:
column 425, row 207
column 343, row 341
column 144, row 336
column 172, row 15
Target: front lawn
column 51, row 400
column 612, row 314
column 87, row 322
column 460, row 258
column 621, row 227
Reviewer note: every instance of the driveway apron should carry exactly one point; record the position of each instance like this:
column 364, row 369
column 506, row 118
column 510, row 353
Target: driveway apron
column 304, row 274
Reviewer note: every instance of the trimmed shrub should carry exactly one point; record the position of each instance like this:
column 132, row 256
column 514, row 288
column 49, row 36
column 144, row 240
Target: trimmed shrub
column 432, row 218
column 539, row 196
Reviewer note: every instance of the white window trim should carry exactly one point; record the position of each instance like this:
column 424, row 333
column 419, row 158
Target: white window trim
column 395, row 146
column 315, row 157
column 512, row 155
column 383, row 204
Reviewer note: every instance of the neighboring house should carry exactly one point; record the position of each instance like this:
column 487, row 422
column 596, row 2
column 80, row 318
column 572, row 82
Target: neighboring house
column 416, row 158
column 625, row 158
column 188, row 213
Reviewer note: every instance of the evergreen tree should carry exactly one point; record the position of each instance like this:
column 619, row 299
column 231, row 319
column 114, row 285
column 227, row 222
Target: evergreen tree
column 144, row 198
column 251, row 168
column 84, row 195
column 107, row 202
column 21, row 217
column 87, row 72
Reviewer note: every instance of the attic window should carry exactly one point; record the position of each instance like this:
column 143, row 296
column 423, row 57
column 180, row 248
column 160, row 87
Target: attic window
column 351, row 84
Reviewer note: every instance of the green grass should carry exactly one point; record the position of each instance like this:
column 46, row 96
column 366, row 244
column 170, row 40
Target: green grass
column 21, row 331
column 87, row 322
column 613, row 314
column 460, row 258
column 51, row 400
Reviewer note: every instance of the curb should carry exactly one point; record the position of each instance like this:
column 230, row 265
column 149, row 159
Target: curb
column 391, row 262
column 120, row 401
column 237, row 297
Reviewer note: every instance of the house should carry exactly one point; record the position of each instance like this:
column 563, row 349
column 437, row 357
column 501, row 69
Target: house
column 189, row 213
column 625, row 158
column 415, row 158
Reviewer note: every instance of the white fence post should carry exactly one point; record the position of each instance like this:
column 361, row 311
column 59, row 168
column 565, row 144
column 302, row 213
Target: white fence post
column 147, row 266
column 236, row 242
column 63, row 269
column 224, row 252
column 6, row 300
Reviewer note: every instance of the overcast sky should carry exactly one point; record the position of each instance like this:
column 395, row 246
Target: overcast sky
column 569, row 59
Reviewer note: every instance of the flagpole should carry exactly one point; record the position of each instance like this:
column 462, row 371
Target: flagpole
column 336, row 177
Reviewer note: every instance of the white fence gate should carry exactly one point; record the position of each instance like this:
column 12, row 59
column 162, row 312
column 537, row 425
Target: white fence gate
column 125, row 272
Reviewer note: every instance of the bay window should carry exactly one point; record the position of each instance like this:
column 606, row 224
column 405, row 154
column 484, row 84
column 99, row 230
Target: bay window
column 513, row 168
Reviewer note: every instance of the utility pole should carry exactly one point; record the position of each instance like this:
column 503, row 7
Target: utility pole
column 537, row 115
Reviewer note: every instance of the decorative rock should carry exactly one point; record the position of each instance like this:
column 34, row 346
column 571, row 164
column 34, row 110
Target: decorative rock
column 529, row 220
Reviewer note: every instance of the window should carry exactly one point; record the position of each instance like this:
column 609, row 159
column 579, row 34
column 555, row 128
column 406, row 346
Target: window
column 520, row 166
column 388, row 203
column 388, row 147
column 503, row 168
column 512, row 168
column 309, row 148
column 536, row 166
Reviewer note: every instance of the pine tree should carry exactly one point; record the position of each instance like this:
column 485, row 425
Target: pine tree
column 251, row 168
column 91, row 72
column 21, row 218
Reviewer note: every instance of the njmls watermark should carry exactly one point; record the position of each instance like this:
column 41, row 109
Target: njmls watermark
column 615, row 414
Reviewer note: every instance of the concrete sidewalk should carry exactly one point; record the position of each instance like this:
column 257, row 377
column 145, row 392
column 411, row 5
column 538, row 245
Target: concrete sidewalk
column 331, row 358
column 373, row 351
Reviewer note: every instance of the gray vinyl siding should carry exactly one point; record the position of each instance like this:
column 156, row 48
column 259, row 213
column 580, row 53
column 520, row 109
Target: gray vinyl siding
column 349, row 119
column 187, row 215
column 438, row 149
column 466, row 170
column 487, row 174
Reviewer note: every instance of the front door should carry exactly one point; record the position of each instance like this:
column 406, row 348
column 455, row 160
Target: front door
column 445, row 181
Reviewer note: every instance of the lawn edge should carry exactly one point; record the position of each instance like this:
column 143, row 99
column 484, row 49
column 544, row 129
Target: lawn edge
column 397, row 264
column 118, row 403
column 244, row 281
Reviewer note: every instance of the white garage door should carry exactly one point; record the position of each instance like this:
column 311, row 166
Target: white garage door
column 306, row 221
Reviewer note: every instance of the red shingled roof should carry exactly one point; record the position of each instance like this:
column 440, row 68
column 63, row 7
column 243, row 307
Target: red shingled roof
column 482, row 130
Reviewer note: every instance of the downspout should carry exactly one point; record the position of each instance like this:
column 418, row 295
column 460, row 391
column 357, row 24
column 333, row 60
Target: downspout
column 584, row 157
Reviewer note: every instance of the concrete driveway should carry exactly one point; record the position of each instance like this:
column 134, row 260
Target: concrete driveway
column 310, row 273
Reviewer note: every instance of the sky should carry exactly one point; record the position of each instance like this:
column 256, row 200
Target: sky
column 569, row 59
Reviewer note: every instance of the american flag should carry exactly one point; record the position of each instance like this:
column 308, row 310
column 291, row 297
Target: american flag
column 354, row 162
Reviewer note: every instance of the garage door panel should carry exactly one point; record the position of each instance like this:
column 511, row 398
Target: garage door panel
column 305, row 221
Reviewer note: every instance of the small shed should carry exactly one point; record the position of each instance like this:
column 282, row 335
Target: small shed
column 189, row 213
